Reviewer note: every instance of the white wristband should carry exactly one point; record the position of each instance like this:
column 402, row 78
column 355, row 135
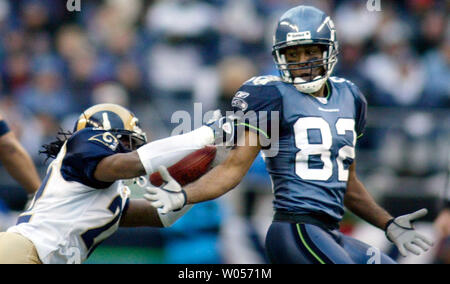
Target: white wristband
column 168, row 151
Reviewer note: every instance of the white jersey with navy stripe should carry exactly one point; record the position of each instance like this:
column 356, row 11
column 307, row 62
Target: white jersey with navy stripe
column 68, row 219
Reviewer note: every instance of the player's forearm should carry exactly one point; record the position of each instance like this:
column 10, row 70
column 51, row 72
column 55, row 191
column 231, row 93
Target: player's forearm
column 149, row 157
column 119, row 166
column 225, row 176
column 362, row 204
column 19, row 164
column 25, row 173
column 140, row 213
column 216, row 183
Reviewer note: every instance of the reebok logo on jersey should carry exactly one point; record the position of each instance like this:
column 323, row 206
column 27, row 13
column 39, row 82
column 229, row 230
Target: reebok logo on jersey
column 239, row 103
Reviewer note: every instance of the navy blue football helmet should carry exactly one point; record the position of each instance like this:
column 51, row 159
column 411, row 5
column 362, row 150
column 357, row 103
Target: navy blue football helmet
column 117, row 120
column 305, row 25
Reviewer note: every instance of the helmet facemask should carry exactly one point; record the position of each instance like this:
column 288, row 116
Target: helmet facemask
column 314, row 82
column 131, row 140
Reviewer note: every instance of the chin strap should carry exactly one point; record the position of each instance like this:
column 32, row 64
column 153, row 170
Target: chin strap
column 309, row 87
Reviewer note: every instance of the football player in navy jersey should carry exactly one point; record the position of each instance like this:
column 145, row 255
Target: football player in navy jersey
column 314, row 169
column 84, row 197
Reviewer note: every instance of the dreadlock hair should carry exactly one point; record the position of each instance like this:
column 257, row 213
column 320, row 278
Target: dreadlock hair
column 52, row 149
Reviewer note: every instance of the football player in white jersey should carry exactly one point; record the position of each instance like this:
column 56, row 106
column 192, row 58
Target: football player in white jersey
column 84, row 198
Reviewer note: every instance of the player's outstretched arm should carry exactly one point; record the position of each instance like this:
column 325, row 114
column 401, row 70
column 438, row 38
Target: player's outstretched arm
column 226, row 175
column 215, row 183
column 18, row 162
column 398, row 230
column 149, row 157
column 358, row 200
column 119, row 166
column 140, row 213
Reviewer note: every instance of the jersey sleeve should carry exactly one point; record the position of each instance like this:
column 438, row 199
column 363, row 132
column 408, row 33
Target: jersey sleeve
column 84, row 150
column 361, row 110
column 259, row 107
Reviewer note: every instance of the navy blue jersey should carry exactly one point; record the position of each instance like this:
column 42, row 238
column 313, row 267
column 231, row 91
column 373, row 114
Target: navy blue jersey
column 85, row 149
column 316, row 146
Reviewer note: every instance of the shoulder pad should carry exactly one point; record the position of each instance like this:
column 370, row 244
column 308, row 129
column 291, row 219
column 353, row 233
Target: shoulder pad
column 96, row 135
column 263, row 80
column 344, row 83
column 340, row 81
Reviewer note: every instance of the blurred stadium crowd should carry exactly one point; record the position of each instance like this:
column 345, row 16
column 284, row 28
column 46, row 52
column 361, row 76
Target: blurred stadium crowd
column 157, row 57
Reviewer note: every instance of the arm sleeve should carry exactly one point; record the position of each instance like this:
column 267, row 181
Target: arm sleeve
column 84, row 151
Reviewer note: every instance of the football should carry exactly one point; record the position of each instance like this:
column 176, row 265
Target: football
column 189, row 168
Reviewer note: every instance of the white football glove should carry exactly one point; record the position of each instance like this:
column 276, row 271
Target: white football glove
column 169, row 196
column 401, row 232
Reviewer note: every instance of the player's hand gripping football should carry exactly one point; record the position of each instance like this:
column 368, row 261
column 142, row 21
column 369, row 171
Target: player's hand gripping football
column 401, row 232
column 170, row 196
column 223, row 127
